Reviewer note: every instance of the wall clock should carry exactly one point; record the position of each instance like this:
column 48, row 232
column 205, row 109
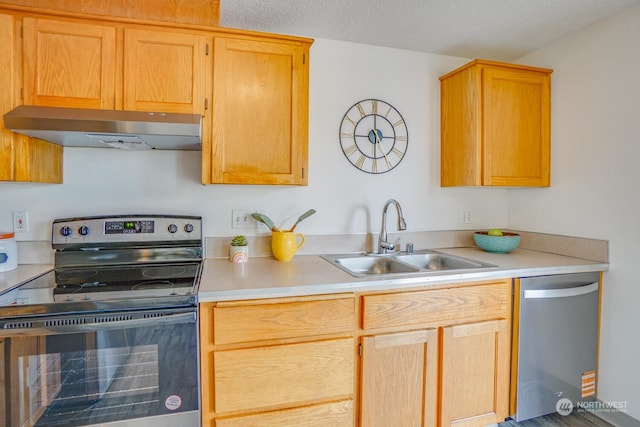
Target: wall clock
column 373, row 136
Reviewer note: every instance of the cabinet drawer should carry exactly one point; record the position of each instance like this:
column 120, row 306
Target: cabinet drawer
column 335, row 414
column 285, row 375
column 247, row 322
column 441, row 306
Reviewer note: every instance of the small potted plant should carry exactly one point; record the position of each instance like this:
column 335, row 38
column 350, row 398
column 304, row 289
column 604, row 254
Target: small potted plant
column 239, row 249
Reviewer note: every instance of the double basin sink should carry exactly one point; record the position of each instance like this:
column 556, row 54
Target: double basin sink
column 368, row 265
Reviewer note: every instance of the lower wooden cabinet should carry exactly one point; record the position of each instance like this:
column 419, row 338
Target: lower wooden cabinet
column 436, row 357
column 399, row 379
column 432, row 357
column 475, row 374
column 279, row 362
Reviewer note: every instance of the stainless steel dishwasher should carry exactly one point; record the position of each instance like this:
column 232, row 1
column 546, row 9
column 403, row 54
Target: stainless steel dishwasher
column 557, row 343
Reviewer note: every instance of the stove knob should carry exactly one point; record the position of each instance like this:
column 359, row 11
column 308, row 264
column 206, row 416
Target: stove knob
column 188, row 228
column 84, row 230
column 66, row 231
column 173, row 228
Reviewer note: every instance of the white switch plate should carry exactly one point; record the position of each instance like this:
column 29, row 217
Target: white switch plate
column 20, row 221
column 241, row 219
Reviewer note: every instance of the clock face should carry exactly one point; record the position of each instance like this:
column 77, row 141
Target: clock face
column 373, row 136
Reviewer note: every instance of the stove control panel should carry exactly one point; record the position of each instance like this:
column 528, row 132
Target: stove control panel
column 126, row 227
column 93, row 231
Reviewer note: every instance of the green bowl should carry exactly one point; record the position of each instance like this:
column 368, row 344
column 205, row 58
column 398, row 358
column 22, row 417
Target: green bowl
column 497, row 244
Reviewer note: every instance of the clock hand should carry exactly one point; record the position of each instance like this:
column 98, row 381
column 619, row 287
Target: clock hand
column 386, row 159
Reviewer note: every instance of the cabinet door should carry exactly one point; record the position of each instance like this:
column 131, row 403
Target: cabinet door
column 260, row 113
column 495, row 125
column 475, row 374
column 68, row 64
column 7, row 53
column 399, row 379
column 21, row 158
column 164, row 71
column 516, row 110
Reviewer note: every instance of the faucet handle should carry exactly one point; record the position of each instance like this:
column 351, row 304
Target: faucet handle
column 387, row 246
column 390, row 246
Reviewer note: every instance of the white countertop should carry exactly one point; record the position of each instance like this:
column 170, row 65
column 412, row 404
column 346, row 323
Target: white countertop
column 24, row 272
column 265, row 277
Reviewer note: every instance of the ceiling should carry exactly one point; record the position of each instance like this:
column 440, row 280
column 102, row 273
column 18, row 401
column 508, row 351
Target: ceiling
column 501, row 30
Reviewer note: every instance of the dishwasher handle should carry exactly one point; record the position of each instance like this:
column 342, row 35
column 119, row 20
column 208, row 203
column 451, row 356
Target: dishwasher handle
column 560, row 293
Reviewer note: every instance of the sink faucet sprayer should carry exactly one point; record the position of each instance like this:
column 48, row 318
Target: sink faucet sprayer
column 383, row 245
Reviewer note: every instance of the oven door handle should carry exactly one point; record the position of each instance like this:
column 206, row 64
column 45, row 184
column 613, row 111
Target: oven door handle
column 73, row 325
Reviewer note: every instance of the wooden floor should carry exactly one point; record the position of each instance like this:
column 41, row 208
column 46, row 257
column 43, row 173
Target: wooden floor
column 577, row 419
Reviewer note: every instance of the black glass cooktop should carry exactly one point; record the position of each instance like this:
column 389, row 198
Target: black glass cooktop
column 106, row 286
column 171, row 277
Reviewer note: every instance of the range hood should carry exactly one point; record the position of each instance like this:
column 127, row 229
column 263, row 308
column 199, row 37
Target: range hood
column 75, row 127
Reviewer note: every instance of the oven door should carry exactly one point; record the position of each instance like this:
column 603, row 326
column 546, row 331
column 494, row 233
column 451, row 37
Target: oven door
column 116, row 369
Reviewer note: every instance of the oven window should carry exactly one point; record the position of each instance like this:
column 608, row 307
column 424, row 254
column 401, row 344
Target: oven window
column 100, row 377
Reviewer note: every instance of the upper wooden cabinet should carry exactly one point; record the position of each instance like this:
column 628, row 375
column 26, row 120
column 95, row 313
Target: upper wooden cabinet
column 260, row 112
column 69, row 64
column 21, row 158
column 7, row 53
column 165, row 71
column 495, row 125
column 251, row 88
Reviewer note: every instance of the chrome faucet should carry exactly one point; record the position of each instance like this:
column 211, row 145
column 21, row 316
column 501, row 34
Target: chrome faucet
column 383, row 245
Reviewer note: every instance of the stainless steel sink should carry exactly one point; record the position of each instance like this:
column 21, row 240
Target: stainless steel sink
column 438, row 261
column 367, row 265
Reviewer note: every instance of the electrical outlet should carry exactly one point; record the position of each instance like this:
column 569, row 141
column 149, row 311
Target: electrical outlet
column 465, row 216
column 241, row 219
column 20, row 221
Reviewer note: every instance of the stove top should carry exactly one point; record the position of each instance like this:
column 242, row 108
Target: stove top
column 125, row 287
column 99, row 283
column 115, row 263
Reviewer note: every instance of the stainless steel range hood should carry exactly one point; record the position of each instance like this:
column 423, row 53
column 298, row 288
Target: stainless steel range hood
column 74, row 127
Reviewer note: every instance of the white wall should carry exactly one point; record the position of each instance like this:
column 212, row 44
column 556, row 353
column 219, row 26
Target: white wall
column 347, row 200
column 595, row 179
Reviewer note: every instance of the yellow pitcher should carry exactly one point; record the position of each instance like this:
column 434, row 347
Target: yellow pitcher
column 285, row 244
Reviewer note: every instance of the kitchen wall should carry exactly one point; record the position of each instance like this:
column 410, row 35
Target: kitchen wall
column 595, row 178
column 98, row 181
